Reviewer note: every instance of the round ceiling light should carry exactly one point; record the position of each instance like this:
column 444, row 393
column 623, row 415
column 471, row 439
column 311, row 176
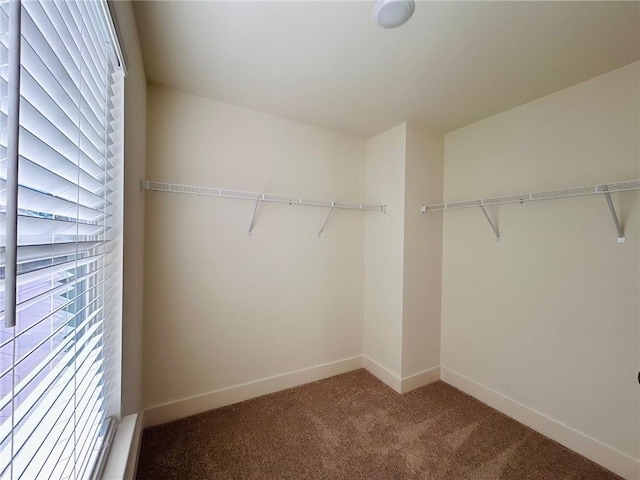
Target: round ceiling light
column 393, row 13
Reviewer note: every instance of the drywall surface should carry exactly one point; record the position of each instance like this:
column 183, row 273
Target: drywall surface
column 135, row 142
column 422, row 275
column 549, row 315
column 223, row 308
column 383, row 268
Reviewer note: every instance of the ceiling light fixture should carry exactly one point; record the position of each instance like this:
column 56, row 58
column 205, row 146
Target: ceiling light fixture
column 393, row 13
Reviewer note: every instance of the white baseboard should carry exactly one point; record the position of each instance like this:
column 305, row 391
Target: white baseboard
column 419, row 379
column 610, row 458
column 400, row 385
column 382, row 373
column 226, row 396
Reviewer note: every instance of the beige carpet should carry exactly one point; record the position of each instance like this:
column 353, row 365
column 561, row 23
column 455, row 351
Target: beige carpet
column 354, row 427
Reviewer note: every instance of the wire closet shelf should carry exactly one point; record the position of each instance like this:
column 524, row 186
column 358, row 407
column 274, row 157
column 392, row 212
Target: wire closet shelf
column 601, row 189
column 258, row 198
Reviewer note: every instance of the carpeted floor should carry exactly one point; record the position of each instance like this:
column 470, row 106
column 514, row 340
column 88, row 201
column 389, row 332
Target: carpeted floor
column 354, row 427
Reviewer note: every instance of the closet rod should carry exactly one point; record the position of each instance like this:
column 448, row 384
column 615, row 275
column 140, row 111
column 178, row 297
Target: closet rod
column 256, row 197
column 601, row 189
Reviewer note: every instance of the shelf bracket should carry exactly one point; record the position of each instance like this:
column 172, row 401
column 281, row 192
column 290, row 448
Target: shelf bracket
column 333, row 204
column 255, row 211
column 614, row 215
column 493, row 226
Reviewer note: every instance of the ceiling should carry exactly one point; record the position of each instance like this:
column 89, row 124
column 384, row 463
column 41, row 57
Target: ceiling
column 327, row 64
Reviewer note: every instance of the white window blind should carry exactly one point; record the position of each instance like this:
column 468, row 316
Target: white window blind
column 57, row 365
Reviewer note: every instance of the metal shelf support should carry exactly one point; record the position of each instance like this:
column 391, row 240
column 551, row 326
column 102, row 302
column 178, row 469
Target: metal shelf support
column 494, row 227
column 614, row 214
column 255, row 211
column 333, row 204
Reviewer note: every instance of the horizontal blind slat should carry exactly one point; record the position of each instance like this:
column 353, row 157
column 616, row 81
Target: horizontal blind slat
column 61, row 376
column 38, row 151
column 62, row 289
column 66, row 71
column 50, row 134
column 78, row 60
column 25, row 457
column 68, row 120
column 33, row 436
column 26, row 406
column 79, row 422
column 45, row 204
column 66, row 93
column 99, row 298
column 53, row 269
column 33, row 174
column 93, row 306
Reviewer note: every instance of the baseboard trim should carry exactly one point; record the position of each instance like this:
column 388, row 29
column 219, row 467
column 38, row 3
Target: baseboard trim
column 382, row 373
column 170, row 411
column 400, row 385
column 610, row 458
column 420, row 379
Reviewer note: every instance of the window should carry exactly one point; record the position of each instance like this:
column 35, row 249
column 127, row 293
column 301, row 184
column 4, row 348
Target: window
column 59, row 380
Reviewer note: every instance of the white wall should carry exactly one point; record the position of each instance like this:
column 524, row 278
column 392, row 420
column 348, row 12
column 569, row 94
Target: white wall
column 135, row 141
column 403, row 257
column 548, row 317
column 221, row 307
column 422, row 277
column 383, row 269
